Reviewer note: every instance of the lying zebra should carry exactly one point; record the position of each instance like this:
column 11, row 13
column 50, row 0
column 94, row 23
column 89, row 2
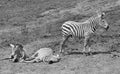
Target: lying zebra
column 18, row 53
column 43, row 55
column 83, row 29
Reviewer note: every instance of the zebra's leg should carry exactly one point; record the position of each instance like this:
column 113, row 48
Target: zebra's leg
column 15, row 59
column 45, row 60
column 63, row 42
column 85, row 42
column 12, row 56
column 31, row 61
column 23, row 56
column 61, row 45
column 89, row 47
column 33, row 56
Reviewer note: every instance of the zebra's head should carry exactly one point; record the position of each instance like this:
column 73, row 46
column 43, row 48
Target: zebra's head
column 102, row 21
column 16, row 47
column 54, row 58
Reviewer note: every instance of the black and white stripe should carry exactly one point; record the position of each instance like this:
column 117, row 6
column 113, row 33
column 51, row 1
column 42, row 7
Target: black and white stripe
column 83, row 29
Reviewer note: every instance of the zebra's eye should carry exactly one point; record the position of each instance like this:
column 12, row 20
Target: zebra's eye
column 102, row 15
column 103, row 21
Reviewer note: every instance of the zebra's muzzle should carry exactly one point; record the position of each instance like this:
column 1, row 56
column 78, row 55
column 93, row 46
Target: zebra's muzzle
column 107, row 28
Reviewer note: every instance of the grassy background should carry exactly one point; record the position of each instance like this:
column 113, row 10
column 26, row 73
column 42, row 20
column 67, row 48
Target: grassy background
column 36, row 24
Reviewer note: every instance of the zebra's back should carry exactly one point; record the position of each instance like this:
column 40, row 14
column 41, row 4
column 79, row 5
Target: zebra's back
column 75, row 28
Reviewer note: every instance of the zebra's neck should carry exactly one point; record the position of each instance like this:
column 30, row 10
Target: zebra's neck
column 94, row 23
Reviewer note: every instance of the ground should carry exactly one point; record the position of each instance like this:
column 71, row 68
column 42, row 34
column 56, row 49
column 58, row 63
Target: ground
column 36, row 24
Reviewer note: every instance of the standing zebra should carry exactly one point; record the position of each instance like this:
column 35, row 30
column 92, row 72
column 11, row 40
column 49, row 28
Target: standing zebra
column 83, row 29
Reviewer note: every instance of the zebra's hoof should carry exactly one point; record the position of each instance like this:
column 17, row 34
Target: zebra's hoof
column 84, row 54
column 90, row 53
column 87, row 53
column 61, row 51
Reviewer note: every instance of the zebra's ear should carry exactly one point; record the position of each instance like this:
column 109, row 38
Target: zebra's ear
column 57, row 55
column 12, row 45
column 100, row 13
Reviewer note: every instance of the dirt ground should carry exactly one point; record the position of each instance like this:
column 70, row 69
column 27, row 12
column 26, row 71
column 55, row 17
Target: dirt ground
column 36, row 24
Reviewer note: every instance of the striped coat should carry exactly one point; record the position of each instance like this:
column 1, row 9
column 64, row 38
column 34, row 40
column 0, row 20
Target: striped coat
column 83, row 29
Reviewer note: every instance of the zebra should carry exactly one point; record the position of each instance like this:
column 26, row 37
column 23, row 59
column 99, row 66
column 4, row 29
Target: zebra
column 83, row 29
column 43, row 54
column 18, row 53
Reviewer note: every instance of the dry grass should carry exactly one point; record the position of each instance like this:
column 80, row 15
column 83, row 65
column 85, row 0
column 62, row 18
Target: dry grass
column 36, row 24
